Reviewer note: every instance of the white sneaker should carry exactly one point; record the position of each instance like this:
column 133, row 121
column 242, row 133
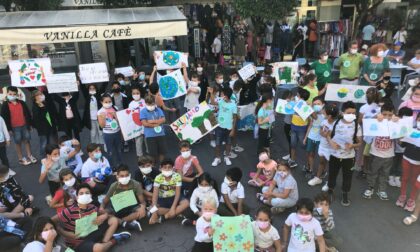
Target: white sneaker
column 213, row 143
column 216, row 162
column 391, row 181
column 397, row 181
column 238, row 148
column 286, row 158
column 227, row 161
column 325, row 187
column 232, row 155
column 368, row 193
column 315, row 181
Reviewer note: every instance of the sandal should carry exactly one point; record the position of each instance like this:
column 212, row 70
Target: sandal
column 410, row 219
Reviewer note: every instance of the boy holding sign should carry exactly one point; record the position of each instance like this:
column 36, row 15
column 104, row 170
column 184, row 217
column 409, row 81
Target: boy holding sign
column 126, row 196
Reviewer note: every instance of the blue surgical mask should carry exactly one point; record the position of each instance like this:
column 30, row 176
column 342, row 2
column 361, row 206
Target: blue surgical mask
column 318, row 108
column 97, row 155
column 142, row 76
column 11, row 97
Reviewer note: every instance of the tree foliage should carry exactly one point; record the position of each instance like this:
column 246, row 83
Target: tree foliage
column 265, row 9
column 32, row 5
column 124, row 3
column 363, row 9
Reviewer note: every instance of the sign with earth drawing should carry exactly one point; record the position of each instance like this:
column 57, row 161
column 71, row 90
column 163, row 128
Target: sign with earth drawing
column 172, row 85
column 195, row 124
column 170, row 59
column 343, row 93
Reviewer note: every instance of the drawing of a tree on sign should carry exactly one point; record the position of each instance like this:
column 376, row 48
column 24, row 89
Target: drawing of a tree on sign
column 205, row 122
column 181, row 137
column 286, row 74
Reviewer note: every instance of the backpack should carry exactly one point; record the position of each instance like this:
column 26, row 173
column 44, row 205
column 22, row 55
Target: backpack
column 355, row 131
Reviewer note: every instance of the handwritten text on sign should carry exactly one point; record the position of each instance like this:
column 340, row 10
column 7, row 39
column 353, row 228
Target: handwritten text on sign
column 93, row 73
column 59, row 83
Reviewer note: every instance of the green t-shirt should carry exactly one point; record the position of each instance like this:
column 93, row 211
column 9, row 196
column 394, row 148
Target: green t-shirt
column 374, row 71
column 322, row 71
column 115, row 188
column 350, row 65
column 167, row 189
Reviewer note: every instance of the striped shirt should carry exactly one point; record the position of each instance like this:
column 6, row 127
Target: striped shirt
column 68, row 217
column 327, row 224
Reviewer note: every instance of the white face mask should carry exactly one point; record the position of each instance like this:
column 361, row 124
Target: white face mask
column 204, row 189
column 193, row 84
column 219, row 81
column 381, row 54
column 199, row 69
column 45, row 235
column 92, row 92
column 42, row 98
column 84, row 199
column 125, row 180
column 349, row 117
column 353, row 51
column 136, row 97
column 150, row 108
column 146, row 170
column 186, row 154
column 70, row 182
column 167, row 173
column 107, row 105
column 227, row 181
column 55, row 159
column 325, row 58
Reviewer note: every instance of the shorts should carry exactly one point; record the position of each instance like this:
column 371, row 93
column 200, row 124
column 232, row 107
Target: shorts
column 89, row 241
column 324, row 152
column 173, row 103
column 156, row 145
column 222, row 135
column 21, row 134
column 296, row 138
column 126, row 211
column 311, row 145
column 166, row 202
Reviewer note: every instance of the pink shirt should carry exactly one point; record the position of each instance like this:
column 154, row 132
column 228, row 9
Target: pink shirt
column 186, row 165
column 268, row 169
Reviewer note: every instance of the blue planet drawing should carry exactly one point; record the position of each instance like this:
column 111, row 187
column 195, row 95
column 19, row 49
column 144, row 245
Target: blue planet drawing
column 415, row 134
column 373, row 127
column 289, row 108
column 168, row 87
column 170, row 58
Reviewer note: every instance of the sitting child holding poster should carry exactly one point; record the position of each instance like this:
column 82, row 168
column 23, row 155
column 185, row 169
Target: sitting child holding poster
column 204, row 237
column 127, row 199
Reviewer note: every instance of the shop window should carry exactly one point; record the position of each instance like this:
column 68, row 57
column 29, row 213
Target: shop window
column 12, row 52
column 310, row 14
column 311, row 2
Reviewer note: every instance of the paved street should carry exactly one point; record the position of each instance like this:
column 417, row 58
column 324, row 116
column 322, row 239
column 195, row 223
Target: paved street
column 366, row 226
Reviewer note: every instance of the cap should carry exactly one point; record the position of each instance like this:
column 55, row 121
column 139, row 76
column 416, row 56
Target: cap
column 398, row 43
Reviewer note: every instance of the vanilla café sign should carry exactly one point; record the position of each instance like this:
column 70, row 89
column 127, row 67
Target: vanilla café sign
column 89, row 34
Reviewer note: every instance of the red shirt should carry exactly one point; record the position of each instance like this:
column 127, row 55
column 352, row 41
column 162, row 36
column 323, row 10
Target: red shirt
column 17, row 118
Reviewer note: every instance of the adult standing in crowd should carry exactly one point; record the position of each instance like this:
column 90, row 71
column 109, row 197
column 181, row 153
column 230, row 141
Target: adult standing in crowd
column 322, row 68
column 368, row 31
column 374, row 66
column 401, row 36
column 349, row 64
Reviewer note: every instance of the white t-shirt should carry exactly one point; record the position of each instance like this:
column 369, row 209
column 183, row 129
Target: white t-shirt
column 383, row 147
column 90, row 166
column 325, row 126
column 93, row 108
column 314, row 133
column 368, row 31
column 262, row 239
column 287, row 183
column 191, row 99
column 235, row 194
column 414, row 61
column 196, row 200
column 111, row 124
column 370, row 110
column 202, row 226
column 134, row 105
column 37, row 246
column 303, row 234
column 344, row 133
column 400, row 36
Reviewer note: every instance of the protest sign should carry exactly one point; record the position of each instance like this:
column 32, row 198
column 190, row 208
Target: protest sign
column 285, row 107
column 85, row 226
column 303, row 109
column 402, row 128
column 126, row 71
column 413, row 138
column 130, row 124
column 285, row 72
column 29, row 72
column 123, row 199
column 373, row 127
column 172, row 85
column 246, row 120
column 246, row 71
column 343, row 93
column 196, row 123
column 93, row 73
column 232, row 233
column 170, row 59
column 59, row 83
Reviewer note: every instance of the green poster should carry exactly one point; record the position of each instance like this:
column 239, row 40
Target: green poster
column 123, row 199
column 85, row 226
column 232, row 233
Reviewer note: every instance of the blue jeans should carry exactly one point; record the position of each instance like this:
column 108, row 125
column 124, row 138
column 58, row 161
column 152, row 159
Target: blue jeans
column 44, row 140
column 113, row 147
column 296, row 138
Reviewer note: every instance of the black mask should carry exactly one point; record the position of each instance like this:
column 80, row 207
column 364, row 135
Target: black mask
column 116, row 90
column 387, row 78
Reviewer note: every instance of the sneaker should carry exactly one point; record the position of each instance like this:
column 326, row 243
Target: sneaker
column 356, row 168
column 382, row 195
column 410, row 219
column 252, row 182
column 397, row 181
column 260, row 197
column 232, row 155
column 368, row 193
column 345, row 200
column 121, row 237
column 227, row 161
column 24, row 162
column 292, row 163
column 315, row 181
column 187, row 222
column 48, row 199
column 238, row 148
column 33, row 159
column 325, row 187
column 213, row 143
column 277, row 210
column 134, row 225
column 391, row 181
column 331, row 249
column 216, row 162
column 401, row 201
column 286, row 158
column 410, row 205
column 306, row 168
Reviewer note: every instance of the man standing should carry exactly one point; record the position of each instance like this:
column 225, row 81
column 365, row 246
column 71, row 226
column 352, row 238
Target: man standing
column 401, row 36
column 350, row 64
column 368, row 31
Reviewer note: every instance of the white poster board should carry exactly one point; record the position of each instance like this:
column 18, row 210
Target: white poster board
column 246, row 120
column 170, row 59
column 30, row 72
column 303, row 109
column 285, row 72
column 126, row 71
column 247, row 71
column 372, row 127
column 343, row 93
column 93, row 73
column 131, row 126
column 413, row 138
column 195, row 124
column 285, row 107
column 59, row 83
column 172, row 85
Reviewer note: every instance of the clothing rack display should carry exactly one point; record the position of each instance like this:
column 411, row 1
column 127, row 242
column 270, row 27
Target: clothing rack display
column 333, row 36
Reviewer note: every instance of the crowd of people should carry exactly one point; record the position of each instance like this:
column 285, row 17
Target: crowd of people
column 94, row 183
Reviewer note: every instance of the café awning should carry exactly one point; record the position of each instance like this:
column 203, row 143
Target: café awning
column 39, row 27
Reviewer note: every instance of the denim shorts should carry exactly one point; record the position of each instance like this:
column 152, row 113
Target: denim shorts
column 311, row 145
column 21, row 134
column 222, row 135
column 166, row 202
column 296, row 138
